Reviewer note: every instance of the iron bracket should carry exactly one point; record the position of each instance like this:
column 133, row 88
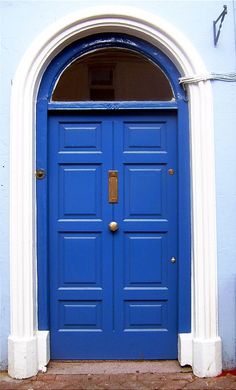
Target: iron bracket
column 220, row 19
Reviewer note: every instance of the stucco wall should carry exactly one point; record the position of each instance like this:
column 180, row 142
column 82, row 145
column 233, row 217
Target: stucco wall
column 21, row 21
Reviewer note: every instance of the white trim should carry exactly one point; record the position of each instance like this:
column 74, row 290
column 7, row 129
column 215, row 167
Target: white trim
column 43, row 340
column 28, row 356
column 185, row 349
column 207, row 356
column 23, row 357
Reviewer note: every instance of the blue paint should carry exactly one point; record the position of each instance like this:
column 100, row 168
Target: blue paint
column 146, row 228
column 113, row 295
column 107, row 40
column 184, row 222
column 134, row 105
column 42, row 200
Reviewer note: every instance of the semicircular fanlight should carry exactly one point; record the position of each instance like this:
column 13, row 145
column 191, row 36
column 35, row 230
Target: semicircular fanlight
column 112, row 75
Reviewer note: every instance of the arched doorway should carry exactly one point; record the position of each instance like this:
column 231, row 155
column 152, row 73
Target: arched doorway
column 117, row 151
column 28, row 347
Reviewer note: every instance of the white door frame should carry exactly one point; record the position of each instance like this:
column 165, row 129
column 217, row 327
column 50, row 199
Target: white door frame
column 28, row 347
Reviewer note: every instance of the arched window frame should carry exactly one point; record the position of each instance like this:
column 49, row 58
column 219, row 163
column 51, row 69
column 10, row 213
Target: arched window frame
column 148, row 79
column 102, row 41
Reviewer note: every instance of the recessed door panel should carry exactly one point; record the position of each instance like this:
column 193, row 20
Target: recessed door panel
column 149, row 136
column 113, row 288
column 145, row 190
column 80, row 258
column 143, row 259
column 145, row 315
column 80, row 185
column 80, row 136
column 81, row 316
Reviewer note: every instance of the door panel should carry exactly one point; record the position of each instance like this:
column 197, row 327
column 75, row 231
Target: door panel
column 81, row 189
column 113, row 295
column 147, row 212
column 148, row 181
column 142, row 260
column 80, row 273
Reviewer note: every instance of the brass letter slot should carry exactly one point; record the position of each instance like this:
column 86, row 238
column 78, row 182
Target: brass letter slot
column 113, row 186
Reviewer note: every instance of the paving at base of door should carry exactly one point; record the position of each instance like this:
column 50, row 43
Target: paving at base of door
column 117, row 375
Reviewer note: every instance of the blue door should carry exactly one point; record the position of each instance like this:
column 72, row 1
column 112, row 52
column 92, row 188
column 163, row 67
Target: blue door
column 113, row 293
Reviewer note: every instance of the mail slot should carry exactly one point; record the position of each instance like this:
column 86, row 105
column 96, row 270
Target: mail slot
column 113, row 186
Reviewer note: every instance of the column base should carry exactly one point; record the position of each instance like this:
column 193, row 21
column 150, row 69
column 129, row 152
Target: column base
column 27, row 356
column 207, row 357
column 22, row 357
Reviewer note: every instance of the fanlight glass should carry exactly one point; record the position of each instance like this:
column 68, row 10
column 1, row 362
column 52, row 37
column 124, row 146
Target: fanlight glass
column 112, row 75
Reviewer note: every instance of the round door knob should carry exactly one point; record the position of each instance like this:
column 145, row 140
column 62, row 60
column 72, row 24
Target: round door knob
column 113, row 226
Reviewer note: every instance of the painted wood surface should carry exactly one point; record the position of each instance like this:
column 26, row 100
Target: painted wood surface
column 113, row 295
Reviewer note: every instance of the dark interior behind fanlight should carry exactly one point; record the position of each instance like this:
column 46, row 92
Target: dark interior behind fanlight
column 112, row 75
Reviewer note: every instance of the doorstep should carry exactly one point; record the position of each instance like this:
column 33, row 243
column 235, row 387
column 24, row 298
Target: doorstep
column 86, row 367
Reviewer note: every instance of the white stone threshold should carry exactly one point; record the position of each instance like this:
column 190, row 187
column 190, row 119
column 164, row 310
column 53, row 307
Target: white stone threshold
column 115, row 367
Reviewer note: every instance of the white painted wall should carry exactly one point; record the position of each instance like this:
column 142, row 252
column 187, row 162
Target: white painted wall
column 21, row 21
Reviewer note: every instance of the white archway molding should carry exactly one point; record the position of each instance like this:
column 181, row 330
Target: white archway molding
column 28, row 347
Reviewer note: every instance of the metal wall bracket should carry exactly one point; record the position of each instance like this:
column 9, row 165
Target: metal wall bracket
column 220, row 19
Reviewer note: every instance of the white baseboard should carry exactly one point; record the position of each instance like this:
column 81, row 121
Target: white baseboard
column 43, row 349
column 185, row 349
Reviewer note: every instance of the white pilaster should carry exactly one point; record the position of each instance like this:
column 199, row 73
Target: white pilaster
column 204, row 267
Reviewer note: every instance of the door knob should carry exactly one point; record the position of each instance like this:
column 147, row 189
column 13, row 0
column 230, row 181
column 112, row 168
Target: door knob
column 113, row 226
